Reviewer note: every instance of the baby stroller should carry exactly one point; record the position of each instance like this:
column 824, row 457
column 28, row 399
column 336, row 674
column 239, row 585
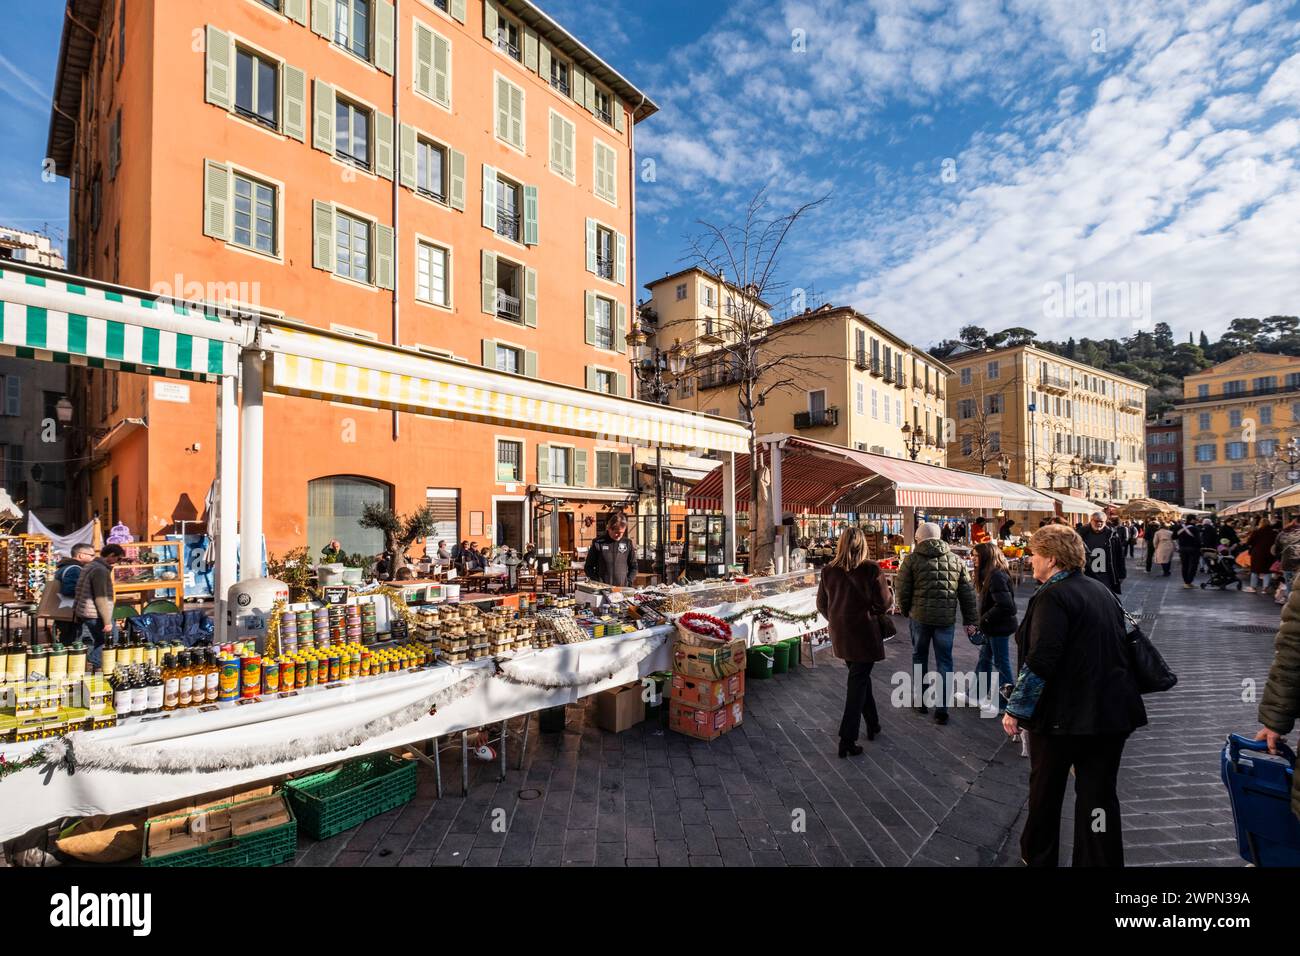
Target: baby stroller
column 1223, row 570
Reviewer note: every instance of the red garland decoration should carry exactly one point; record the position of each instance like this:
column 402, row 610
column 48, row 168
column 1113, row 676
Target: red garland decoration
column 706, row 625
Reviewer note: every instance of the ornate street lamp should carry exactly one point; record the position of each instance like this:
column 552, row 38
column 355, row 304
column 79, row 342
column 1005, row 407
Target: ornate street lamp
column 1004, row 465
column 912, row 440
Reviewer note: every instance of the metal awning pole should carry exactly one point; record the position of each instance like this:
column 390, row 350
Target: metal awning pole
column 251, row 451
column 226, row 499
column 729, row 507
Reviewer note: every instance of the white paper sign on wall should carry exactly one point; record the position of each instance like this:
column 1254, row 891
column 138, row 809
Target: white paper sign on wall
column 171, row 392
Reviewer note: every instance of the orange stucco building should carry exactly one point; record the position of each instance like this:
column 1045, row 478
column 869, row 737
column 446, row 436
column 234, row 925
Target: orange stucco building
column 450, row 174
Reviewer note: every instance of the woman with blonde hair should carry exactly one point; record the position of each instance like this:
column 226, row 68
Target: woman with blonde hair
column 852, row 595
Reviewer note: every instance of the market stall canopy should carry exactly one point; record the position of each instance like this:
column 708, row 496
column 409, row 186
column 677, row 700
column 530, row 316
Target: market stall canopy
column 1070, row 504
column 1144, row 508
column 333, row 367
column 815, row 475
column 1287, row 497
column 48, row 317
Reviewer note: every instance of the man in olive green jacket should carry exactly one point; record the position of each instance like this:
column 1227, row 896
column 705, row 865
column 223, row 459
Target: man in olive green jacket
column 932, row 585
column 1280, row 705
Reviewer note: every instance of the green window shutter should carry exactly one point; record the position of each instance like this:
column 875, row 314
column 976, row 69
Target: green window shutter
column 323, row 116
column 489, row 281
column 591, row 319
column 322, row 18
column 530, row 297
column 569, row 133
column 458, row 10
column 383, row 256
column 422, row 73
column 384, row 22
column 384, row 145
column 625, row 471
column 604, row 469
column 489, row 353
column 544, row 61
column 296, row 10
column 442, row 70
column 322, row 224
column 530, row 363
column 216, row 200
column 530, row 215
column 219, row 52
column 543, row 464
column 489, row 197
column 591, row 378
column 530, row 49
column 557, row 142
column 620, row 384
column 490, row 20
column 591, row 245
column 517, row 116
column 580, row 468
column 406, row 152
column 620, row 261
column 578, row 85
column 293, row 100
column 503, row 108
column 618, row 114
column 620, row 328
column 457, row 179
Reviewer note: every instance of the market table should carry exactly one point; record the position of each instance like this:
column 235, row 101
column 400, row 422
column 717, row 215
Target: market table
column 147, row 761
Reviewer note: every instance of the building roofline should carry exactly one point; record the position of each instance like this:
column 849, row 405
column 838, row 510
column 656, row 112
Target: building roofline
column 650, row 286
column 1265, row 355
column 981, row 353
column 848, row 311
column 74, row 57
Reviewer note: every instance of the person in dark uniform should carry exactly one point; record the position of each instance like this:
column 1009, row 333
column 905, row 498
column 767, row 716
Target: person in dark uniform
column 611, row 559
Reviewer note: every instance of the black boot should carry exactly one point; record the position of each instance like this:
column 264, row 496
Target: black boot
column 849, row 749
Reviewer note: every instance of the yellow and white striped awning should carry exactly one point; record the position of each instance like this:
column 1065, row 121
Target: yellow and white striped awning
column 337, row 368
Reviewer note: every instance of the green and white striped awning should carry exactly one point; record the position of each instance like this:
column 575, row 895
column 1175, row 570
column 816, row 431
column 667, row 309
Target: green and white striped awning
column 55, row 320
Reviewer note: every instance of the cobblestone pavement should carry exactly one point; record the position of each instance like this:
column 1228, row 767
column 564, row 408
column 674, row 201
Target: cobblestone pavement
column 920, row 795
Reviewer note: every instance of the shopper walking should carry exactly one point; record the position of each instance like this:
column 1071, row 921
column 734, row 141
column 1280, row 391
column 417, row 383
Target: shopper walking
column 1077, row 697
column 1188, row 538
column 933, row 586
column 1130, row 537
column 997, row 609
column 92, row 608
column 1105, row 548
column 851, row 596
column 1161, row 546
column 1149, row 532
column 1287, row 549
column 1260, row 545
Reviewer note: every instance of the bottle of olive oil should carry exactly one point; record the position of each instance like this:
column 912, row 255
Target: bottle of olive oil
column 171, row 683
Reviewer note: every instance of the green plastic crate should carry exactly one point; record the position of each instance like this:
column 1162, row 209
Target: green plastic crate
column 336, row 800
column 264, row 848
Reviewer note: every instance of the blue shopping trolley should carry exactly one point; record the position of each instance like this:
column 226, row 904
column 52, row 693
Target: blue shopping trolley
column 1259, row 786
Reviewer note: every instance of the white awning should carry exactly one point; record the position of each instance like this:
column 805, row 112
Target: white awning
column 565, row 493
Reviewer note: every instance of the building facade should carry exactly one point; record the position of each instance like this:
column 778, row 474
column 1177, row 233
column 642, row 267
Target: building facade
column 32, row 247
column 850, row 382
column 1085, row 429
column 1165, row 458
column 1238, row 417
column 448, row 175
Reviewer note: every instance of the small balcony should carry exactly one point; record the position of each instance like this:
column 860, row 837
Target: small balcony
column 508, row 223
column 827, row 418
column 507, row 306
column 560, row 83
column 605, row 267
column 900, row 380
column 1054, row 383
column 888, row 374
column 876, row 368
column 503, row 43
column 1099, row 461
column 1132, row 405
column 718, row 379
column 861, row 362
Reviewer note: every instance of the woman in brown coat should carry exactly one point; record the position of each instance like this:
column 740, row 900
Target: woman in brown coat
column 1260, row 546
column 851, row 593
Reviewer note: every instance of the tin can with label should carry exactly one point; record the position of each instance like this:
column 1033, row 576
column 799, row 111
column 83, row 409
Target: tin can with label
column 250, row 673
column 288, row 674
column 228, row 679
column 335, row 667
column 313, row 671
column 270, row 677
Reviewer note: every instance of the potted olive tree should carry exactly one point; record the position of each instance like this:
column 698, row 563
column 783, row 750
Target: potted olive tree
column 400, row 531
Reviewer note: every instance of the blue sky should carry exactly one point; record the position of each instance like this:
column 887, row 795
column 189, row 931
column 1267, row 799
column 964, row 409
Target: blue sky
column 978, row 154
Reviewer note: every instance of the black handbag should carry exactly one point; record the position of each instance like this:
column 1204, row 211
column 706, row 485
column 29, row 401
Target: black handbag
column 1150, row 671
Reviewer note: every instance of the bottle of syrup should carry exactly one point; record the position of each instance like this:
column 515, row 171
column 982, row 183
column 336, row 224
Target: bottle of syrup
column 171, row 684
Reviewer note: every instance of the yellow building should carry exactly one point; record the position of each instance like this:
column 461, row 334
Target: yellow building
column 1236, row 416
column 848, row 380
column 1089, row 424
column 695, row 306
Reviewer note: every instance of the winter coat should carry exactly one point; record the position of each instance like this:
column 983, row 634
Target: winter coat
column 1073, row 637
column 998, row 606
column 1104, row 559
column 1287, row 548
column 66, row 574
column 1260, row 545
column 1210, row 536
column 850, row 601
column 1164, row 546
column 1189, row 538
column 933, row 584
column 1280, row 705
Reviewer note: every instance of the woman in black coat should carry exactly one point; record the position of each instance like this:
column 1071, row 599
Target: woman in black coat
column 852, row 592
column 997, row 621
column 1078, row 699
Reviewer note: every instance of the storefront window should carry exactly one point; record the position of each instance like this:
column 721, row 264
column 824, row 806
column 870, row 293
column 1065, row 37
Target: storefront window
column 334, row 507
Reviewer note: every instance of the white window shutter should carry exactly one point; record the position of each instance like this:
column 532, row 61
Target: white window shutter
column 490, row 20
column 590, row 325
column 293, row 99
column 489, row 353
column 458, row 10
column 406, row 163
column 620, row 262
column 544, row 61
column 489, row 282
column 620, row 384
column 216, row 200
column 323, row 116
column 503, row 108
column 384, row 23
column 618, row 114
column 219, row 51
column 422, row 73
column 591, row 378
column 543, row 464
column 591, row 245
column 383, row 256
column 384, row 145
column 530, row 363
column 296, row 10
column 620, row 328
column 530, row 49
column 517, row 116
column 441, row 70
column 530, row 216
column 580, row 467
column 322, row 220
column 489, row 197
column 456, row 160
column 322, row 18
column 530, row 297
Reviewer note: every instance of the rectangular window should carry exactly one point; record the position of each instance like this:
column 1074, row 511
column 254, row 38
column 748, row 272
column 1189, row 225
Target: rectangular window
column 431, row 273
column 875, row 397
column 994, row 403
column 352, row 247
column 1206, row 452
column 966, row 408
column 256, row 88
column 1207, row 482
column 605, row 253
column 509, row 204
column 1202, row 391
column 254, row 224
column 562, row 145
column 860, row 401
column 352, row 26
column 606, row 185
column 886, row 403
column 1203, row 421
column 967, row 445
column 509, row 359
column 604, row 323
column 604, row 108
column 604, row 381
column 1234, row 418
column 510, row 461
column 352, row 133
column 1264, row 382
column 1235, row 450
column 994, row 371
column 14, row 394
column 965, row 376
column 509, row 113
column 560, row 465
column 559, row 75
column 508, row 38
column 706, row 295
column 995, row 441
column 681, row 291
column 1266, row 414
column 1238, row 481
column 1266, row 448
column 1234, row 387
column 431, row 170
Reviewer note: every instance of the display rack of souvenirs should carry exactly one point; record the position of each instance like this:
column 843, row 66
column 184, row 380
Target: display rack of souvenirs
column 30, row 559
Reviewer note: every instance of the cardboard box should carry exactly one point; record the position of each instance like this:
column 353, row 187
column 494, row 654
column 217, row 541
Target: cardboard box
column 707, row 694
column 705, row 724
column 619, row 708
column 214, row 821
column 709, row 663
column 259, row 815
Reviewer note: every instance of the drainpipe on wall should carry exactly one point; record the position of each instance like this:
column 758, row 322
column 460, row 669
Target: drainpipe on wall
column 632, row 380
column 397, row 178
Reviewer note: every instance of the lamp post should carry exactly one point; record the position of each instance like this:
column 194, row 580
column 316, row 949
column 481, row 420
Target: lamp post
column 650, row 365
column 1076, row 474
column 1004, row 465
column 1289, row 453
column 912, row 440
column 1033, row 448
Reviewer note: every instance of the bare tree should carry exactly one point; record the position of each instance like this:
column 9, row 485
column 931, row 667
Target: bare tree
column 750, row 350
column 984, row 448
column 1053, row 464
column 1265, row 472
